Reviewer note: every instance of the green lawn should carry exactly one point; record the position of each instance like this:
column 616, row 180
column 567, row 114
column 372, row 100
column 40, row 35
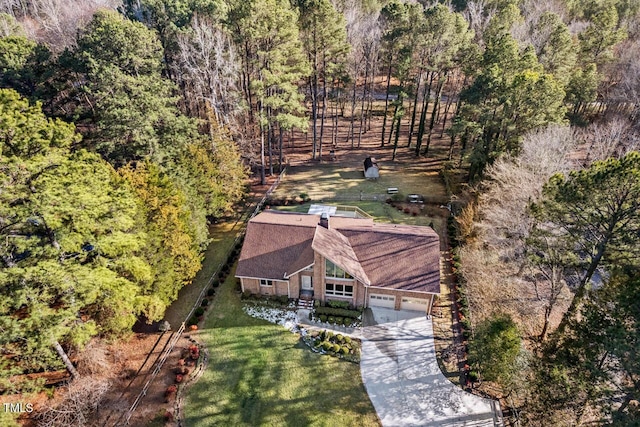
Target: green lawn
column 222, row 236
column 261, row 374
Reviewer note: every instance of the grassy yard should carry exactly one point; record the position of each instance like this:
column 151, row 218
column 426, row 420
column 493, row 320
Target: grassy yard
column 261, row 374
column 222, row 236
column 330, row 181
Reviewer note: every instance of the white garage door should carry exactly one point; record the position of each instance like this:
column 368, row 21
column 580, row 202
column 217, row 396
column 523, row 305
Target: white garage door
column 380, row 300
column 415, row 304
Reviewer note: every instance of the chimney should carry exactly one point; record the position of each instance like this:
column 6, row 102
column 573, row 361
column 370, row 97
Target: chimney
column 324, row 220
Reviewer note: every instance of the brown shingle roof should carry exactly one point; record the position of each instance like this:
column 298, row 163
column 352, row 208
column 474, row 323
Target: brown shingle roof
column 277, row 244
column 331, row 244
column 398, row 256
column 391, row 256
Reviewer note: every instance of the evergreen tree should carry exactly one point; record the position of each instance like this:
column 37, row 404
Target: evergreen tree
column 597, row 210
column 273, row 65
column 324, row 38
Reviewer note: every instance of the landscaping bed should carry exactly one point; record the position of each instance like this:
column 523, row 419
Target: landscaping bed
column 339, row 313
column 337, row 345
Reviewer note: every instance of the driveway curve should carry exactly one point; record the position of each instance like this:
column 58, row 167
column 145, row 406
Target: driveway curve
column 404, row 382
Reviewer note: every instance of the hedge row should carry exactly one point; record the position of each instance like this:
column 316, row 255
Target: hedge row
column 339, row 312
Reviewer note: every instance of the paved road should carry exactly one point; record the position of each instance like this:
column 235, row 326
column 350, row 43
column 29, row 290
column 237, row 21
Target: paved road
column 404, row 382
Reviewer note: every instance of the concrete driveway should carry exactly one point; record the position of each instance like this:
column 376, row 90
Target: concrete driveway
column 403, row 380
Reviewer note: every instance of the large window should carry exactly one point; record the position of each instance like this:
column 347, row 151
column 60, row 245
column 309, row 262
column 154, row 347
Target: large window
column 265, row 282
column 335, row 271
column 339, row 290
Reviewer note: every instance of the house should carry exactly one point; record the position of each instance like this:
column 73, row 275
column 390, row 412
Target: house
column 371, row 169
column 340, row 258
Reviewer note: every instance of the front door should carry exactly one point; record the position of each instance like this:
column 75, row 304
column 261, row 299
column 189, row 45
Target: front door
column 306, row 283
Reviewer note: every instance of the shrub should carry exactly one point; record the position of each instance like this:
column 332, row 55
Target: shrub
column 335, row 348
column 406, row 210
column 496, row 347
column 283, row 299
column 205, row 302
column 347, row 340
column 338, row 304
column 339, row 320
column 354, row 314
column 193, row 320
column 316, row 304
column 211, row 292
column 344, row 350
column 327, row 346
column 340, row 338
column 331, row 319
column 323, row 318
column 215, row 283
column 474, row 376
column 199, row 312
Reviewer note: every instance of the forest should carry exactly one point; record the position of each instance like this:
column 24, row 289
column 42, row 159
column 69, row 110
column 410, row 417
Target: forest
column 126, row 128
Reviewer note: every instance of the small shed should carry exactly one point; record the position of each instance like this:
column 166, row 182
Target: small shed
column 371, row 169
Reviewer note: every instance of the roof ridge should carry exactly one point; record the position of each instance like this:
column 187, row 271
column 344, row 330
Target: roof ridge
column 364, row 279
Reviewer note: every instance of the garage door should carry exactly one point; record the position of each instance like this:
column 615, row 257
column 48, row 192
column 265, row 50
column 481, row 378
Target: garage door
column 379, row 300
column 415, row 304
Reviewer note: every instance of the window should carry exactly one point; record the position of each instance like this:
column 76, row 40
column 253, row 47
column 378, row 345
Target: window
column 265, row 282
column 335, row 271
column 339, row 290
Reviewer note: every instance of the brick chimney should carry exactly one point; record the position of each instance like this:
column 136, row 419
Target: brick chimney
column 324, row 220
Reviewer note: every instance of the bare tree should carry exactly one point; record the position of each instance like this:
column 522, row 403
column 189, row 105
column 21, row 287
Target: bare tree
column 478, row 14
column 363, row 34
column 80, row 401
column 614, row 138
column 55, row 22
column 208, row 71
column 497, row 265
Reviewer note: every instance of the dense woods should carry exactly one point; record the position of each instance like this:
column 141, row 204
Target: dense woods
column 126, row 126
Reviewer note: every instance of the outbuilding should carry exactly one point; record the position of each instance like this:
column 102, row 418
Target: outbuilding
column 371, row 170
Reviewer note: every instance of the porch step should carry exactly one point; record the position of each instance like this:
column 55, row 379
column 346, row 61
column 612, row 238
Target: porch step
column 305, row 303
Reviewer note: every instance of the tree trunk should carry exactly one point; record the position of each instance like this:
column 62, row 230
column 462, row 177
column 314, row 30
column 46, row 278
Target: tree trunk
column 72, row 370
column 353, row 111
column 324, row 108
column 415, row 107
column 582, row 286
column 334, row 118
column 372, row 83
column 314, row 113
column 364, row 95
column 280, row 149
column 386, row 100
column 436, row 105
column 423, row 114
column 399, row 112
column 393, row 122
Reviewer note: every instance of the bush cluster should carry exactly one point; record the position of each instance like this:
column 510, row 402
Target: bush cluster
column 269, row 301
column 334, row 344
column 339, row 304
column 338, row 312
